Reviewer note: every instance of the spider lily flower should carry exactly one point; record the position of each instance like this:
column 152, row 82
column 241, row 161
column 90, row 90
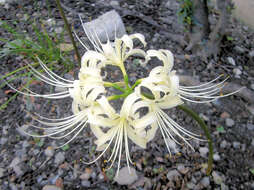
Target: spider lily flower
column 158, row 100
column 117, row 52
column 203, row 93
column 119, row 130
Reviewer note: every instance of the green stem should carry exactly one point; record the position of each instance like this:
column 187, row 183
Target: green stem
column 207, row 134
column 68, row 29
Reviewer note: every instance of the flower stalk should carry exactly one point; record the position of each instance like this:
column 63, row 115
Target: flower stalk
column 68, row 30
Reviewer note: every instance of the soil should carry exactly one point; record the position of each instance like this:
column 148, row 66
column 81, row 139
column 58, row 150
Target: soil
column 25, row 162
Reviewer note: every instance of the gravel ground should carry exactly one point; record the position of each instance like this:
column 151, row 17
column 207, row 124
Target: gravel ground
column 29, row 163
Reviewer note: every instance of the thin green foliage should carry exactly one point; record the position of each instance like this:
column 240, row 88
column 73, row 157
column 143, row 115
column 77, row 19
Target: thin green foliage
column 44, row 46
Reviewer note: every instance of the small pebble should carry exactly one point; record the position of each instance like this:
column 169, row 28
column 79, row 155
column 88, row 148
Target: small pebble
column 216, row 157
column 236, row 145
column 125, row 177
column 59, row 158
column 252, row 86
column 85, row 183
column 231, row 61
column 252, row 142
column 223, row 187
column 114, row 3
column 49, row 151
column 250, row 126
column 239, row 49
column 237, row 71
column 217, row 178
column 2, row 172
column 173, row 175
column 229, row 122
column 205, row 182
column 182, row 169
column 51, row 187
column 223, row 144
column 203, row 151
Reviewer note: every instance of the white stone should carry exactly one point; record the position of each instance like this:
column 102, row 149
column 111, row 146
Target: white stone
column 230, row 122
column 51, row 187
column 173, row 175
column 59, row 158
column 125, row 177
column 217, row 178
column 203, row 151
column 231, row 61
column 237, row 71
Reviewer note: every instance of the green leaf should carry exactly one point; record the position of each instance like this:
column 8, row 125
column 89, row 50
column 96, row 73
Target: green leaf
column 65, row 147
column 252, row 171
column 220, row 129
column 229, row 38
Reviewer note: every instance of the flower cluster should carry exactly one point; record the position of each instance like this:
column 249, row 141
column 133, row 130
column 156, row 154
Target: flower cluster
column 143, row 109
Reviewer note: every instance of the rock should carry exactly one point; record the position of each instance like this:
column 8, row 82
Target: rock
column 203, row 151
column 237, row 71
column 250, row 126
column 231, row 61
column 252, row 86
column 68, row 76
column 182, row 169
column 239, row 49
column 15, row 162
column 236, row 145
column 49, row 151
column 173, row 175
column 51, row 187
column 252, row 142
column 59, row 29
column 229, row 122
column 223, row 144
column 86, row 175
column 60, row 89
column 114, row 3
column 125, row 177
column 216, row 157
column 13, row 186
column 85, row 183
column 224, row 187
column 2, row 172
column 172, row 146
column 216, row 178
column 190, row 185
column 205, row 182
column 251, row 54
column 59, row 158
column 225, row 115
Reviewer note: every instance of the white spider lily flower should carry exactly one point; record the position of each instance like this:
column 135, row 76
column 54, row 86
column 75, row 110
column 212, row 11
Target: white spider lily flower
column 203, row 93
column 120, row 129
column 157, row 100
column 117, row 52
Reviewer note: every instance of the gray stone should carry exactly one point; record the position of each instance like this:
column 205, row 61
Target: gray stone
column 59, row 158
column 13, row 186
column 51, row 187
column 217, row 178
column 252, row 142
column 3, row 141
column 229, row 122
column 50, row 22
column 15, row 162
column 252, row 86
column 182, row 169
column 60, row 89
column 114, row 3
column 85, row 183
column 250, row 126
column 49, row 151
column 231, row 61
column 251, row 54
column 223, row 144
column 203, row 151
column 2, row 172
column 173, row 175
column 68, row 76
column 236, row 145
column 125, row 177
column 239, row 49
column 58, row 30
column 205, row 182
column 224, row 187
column 190, row 185
column 216, row 157
column 237, row 71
